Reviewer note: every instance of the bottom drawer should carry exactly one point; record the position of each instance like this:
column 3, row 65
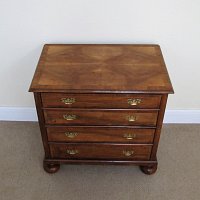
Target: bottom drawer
column 101, row 151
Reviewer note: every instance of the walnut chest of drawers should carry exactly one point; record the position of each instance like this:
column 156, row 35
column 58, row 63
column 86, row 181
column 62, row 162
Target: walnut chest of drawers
column 101, row 104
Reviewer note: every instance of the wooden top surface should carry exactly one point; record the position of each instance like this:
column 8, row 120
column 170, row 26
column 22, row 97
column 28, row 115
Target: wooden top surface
column 101, row 69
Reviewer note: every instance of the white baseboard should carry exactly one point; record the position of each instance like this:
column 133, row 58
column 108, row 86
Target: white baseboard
column 18, row 114
column 29, row 114
column 182, row 117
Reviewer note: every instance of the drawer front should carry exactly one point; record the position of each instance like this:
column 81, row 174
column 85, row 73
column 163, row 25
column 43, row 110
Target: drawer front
column 100, row 117
column 65, row 100
column 101, row 151
column 100, row 134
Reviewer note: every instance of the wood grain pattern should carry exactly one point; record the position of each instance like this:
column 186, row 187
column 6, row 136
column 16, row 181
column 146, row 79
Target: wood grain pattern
column 101, row 151
column 159, row 126
column 101, row 68
column 38, row 103
column 101, row 117
column 100, row 134
column 100, row 100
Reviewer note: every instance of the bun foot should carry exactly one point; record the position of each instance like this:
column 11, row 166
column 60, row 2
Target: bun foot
column 149, row 169
column 50, row 167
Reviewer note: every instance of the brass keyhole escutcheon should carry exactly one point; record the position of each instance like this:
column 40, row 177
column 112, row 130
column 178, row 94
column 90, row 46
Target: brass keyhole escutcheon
column 69, row 117
column 134, row 102
column 129, row 136
column 72, row 151
column 131, row 118
column 68, row 100
column 71, row 134
column 128, row 153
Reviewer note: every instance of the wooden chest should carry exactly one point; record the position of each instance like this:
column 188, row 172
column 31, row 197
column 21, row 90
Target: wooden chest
column 101, row 104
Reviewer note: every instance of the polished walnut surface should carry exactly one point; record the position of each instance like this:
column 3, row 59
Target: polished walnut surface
column 101, row 68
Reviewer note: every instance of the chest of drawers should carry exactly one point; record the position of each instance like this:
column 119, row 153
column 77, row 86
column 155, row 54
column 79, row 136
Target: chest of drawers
column 101, row 104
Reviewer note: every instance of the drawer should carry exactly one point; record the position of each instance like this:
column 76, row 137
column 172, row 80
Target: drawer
column 100, row 117
column 100, row 134
column 65, row 100
column 101, row 151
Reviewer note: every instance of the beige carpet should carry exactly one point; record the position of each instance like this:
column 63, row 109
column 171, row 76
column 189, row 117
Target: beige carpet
column 22, row 176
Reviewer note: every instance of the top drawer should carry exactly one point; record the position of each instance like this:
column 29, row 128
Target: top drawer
column 66, row 100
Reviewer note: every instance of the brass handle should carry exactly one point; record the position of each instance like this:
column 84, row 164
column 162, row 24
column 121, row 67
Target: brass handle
column 69, row 117
column 131, row 118
column 129, row 136
column 71, row 134
column 72, row 151
column 68, row 100
column 128, row 153
column 134, row 102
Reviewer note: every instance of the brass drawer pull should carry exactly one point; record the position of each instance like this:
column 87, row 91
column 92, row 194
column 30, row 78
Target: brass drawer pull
column 68, row 100
column 72, row 151
column 71, row 134
column 134, row 102
column 131, row 118
column 69, row 117
column 128, row 153
column 129, row 136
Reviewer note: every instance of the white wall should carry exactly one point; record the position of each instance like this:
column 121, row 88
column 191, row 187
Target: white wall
column 26, row 25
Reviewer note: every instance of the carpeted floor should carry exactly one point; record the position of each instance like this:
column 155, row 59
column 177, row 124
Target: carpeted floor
column 23, row 178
